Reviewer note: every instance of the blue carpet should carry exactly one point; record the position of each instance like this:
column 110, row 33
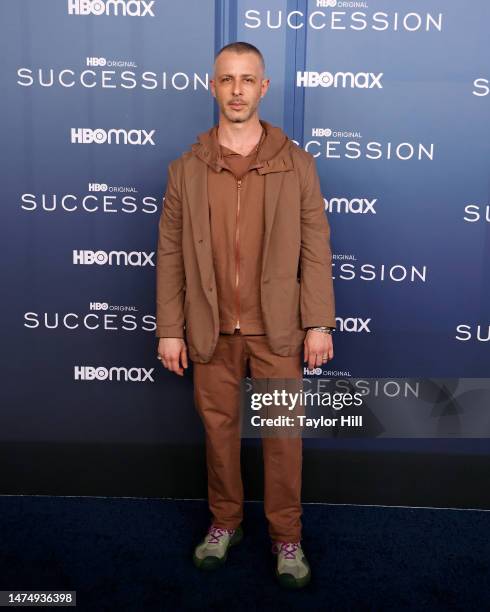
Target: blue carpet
column 135, row 554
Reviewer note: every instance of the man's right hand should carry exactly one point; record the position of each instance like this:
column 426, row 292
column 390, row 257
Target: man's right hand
column 173, row 352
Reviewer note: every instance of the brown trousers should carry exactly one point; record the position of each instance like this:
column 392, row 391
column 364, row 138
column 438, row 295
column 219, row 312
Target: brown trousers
column 217, row 399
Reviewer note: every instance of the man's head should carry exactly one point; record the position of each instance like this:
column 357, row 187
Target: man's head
column 239, row 82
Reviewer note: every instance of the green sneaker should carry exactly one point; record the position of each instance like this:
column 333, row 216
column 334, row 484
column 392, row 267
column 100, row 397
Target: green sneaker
column 293, row 570
column 212, row 552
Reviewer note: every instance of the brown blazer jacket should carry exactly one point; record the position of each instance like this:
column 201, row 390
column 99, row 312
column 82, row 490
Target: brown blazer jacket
column 296, row 281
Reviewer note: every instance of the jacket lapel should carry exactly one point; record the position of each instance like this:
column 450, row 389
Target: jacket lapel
column 196, row 187
column 274, row 171
column 272, row 191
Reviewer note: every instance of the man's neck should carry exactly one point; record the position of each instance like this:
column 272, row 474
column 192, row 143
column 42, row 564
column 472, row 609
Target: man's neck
column 240, row 137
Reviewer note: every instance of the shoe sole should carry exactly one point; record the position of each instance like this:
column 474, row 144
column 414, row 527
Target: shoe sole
column 212, row 563
column 288, row 581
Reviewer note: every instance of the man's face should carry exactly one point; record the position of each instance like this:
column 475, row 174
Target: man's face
column 238, row 85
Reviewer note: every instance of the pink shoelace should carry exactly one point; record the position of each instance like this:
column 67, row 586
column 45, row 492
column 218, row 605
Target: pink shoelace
column 216, row 533
column 288, row 548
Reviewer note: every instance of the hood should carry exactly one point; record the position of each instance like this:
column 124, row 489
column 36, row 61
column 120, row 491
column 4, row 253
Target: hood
column 273, row 154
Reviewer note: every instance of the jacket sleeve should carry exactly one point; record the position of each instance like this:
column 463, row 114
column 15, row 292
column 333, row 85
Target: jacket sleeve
column 317, row 302
column 170, row 277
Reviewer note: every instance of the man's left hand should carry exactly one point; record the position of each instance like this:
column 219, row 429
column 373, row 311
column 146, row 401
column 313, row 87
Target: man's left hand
column 318, row 348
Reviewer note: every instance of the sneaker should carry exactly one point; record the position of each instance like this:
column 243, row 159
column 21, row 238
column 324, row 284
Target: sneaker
column 293, row 570
column 213, row 550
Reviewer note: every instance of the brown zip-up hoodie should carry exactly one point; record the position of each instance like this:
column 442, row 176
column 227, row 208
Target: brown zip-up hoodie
column 236, row 213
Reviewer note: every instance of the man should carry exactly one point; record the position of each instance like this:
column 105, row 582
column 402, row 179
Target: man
column 244, row 276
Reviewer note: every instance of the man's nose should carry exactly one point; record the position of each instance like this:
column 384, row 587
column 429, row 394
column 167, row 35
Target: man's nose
column 237, row 90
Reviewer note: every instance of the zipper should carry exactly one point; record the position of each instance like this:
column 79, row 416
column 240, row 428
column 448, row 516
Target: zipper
column 237, row 254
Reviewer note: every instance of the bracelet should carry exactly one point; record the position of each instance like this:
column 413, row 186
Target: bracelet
column 323, row 328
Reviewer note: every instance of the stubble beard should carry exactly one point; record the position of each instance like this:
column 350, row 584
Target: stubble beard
column 233, row 117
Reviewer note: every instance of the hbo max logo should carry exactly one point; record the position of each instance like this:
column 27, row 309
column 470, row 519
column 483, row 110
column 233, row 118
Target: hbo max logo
column 118, row 258
column 116, row 136
column 120, row 374
column 359, row 80
column 126, row 8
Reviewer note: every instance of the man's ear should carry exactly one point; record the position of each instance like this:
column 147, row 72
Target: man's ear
column 265, row 82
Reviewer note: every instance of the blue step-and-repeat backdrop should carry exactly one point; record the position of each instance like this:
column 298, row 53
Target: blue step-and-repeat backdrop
column 391, row 97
